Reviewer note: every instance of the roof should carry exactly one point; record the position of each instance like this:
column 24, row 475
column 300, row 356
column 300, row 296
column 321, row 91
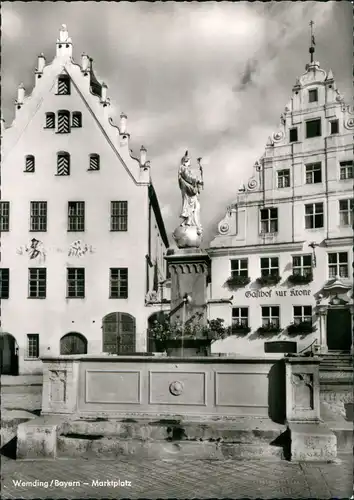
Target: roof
column 156, row 208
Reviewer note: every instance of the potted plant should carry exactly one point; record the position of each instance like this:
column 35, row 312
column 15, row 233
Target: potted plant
column 269, row 329
column 300, row 279
column 237, row 281
column 303, row 327
column 240, row 328
column 192, row 337
column 269, row 280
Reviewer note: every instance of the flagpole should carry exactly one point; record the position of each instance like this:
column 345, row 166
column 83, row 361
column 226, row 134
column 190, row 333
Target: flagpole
column 312, row 41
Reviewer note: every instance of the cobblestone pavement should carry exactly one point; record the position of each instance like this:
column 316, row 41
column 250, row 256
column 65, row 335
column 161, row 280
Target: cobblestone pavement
column 163, row 479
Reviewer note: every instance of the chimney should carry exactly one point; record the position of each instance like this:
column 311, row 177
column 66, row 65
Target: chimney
column 143, row 152
column 85, row 63
column 123, row 123
column 104, row 93
column 20, row 96
column 41, row 63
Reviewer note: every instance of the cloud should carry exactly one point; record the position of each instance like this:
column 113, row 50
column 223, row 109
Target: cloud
column 210, row 77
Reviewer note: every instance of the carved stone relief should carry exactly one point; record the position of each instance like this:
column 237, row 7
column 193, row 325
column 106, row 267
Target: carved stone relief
column 57, row 385
column 176, row 388
column 303, row 391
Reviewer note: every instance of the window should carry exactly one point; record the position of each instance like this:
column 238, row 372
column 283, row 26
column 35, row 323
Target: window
column 49, row 120
column 283, row 178
column 119, row 216
column 346, row 208
column 118, row 283
column 63, row 163
column 76, row 120
column 4, row 216
column 94, row 162
column 270, row 316
column 346, row 169
column 313, row 173
column 334, row 126
column 75, row 283
column 269, row 266
column 32, row 345
column 76, row 216
column 269, row 220
column 4, row 283
column 239, row 267
column 293, row 135
column 63, row 122
column 38, row 216
column 313, row 95
column 37, row 282
column 302, row 314
column 314, row 216
column 64, row 85
column 302, row 265
column 239, row 317
column 313, row 128
column 338, row 265
column 29, row 163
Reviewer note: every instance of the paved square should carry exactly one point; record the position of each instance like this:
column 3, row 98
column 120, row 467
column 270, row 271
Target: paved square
column 163, row 479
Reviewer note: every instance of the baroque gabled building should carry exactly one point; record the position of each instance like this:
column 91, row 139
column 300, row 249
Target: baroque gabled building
column 282, row 258
column 82, row 236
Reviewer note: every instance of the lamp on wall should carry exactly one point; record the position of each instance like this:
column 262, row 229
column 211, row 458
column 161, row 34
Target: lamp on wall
column 313, row 245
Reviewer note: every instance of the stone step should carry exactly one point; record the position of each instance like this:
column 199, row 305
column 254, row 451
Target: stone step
column 178, row 440
column 113, row 446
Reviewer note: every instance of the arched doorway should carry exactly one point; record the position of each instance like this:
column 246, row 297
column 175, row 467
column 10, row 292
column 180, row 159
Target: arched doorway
column 8, row 355
column 73, row 343
column 157, row 316
column 118, row 333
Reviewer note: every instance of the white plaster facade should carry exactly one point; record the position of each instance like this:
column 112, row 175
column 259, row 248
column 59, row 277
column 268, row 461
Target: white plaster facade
column 241, row 234
column 120, row 177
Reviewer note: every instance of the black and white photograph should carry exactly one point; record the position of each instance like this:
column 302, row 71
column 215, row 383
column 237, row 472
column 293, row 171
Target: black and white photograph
column 176, row 264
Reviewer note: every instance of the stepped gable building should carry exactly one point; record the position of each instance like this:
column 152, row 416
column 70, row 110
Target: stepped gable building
column 282, row 258
column 82, row 236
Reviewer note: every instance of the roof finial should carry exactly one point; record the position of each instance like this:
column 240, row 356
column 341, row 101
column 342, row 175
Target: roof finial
column 312, row 41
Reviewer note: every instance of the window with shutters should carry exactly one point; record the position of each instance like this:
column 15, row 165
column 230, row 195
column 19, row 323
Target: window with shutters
column 37, row 282
column 63, row 163
column 4, row 216
column 49, row 120
column 29, row 163
column 118, row 283
column 63, row 122
column 76, row 216
column 75, row 283
column 4, row 283
column 32, row 345
column 63, row 85
column 76, row 119
column 38, row 221
column 119, row 216
column 94, row 162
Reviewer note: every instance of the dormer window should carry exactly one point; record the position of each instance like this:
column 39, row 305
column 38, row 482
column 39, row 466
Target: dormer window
column 94, row 162
column 29, row 163
column 76, row 119
column 49, row 120
column 63, row 122
column 64, row 85
column 63, row 163
column 313, row 95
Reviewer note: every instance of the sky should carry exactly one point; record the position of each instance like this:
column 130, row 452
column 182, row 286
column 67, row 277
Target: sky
column 208, row 77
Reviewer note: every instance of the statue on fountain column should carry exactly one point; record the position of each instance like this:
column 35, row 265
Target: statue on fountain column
column 189, row 233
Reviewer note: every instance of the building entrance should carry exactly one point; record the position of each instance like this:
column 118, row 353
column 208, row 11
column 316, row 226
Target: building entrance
column 339, row 329
column 8, row 355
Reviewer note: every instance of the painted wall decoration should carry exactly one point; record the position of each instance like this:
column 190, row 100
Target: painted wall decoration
column 34, row 250
column 78, row 248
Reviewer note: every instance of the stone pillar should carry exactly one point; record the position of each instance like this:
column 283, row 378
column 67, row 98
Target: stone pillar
column 189, row 271
column 311, row 439
column 60, row 385
column 322, row 314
